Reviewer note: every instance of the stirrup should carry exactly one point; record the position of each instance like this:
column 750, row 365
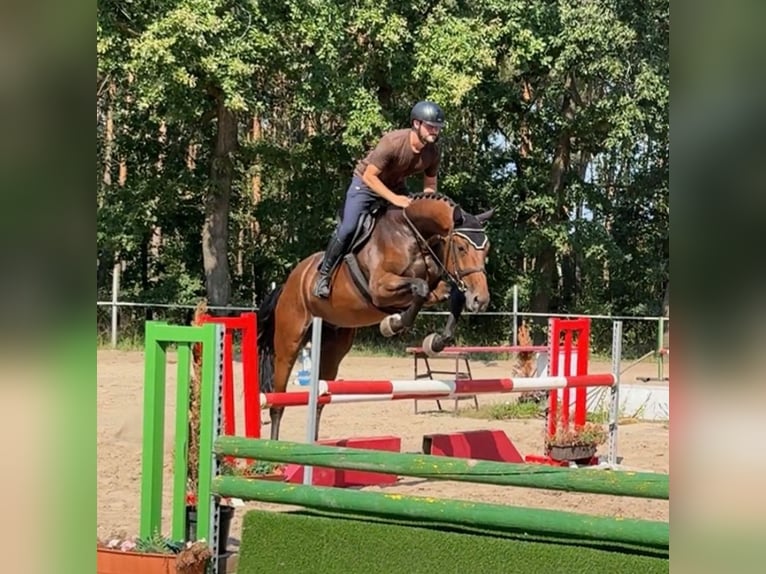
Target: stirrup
column 322, row 283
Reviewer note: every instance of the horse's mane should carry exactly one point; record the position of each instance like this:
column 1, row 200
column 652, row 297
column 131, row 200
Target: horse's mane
column 438, row 202
column 433, row 197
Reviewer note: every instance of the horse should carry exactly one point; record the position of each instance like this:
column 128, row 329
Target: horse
column 399, row 261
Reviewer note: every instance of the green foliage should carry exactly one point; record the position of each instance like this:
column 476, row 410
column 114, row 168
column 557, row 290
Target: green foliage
column 503, row 411
column 557, row 116
column 157, row 544
column 591, row 434
column 260, row 467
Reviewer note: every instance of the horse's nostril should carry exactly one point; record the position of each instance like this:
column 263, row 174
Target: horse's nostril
column 476, row 302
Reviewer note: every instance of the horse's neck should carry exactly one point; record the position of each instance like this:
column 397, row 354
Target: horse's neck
column 430, row 216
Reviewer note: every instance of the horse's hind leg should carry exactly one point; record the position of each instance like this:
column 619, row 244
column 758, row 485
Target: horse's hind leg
column 336, row 343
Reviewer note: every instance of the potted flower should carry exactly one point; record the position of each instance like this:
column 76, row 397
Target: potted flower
column 226, row 510
column 577, row 444
column 154, row 555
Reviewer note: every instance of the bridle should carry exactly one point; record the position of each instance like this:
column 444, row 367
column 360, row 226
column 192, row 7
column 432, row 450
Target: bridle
column 454, row 278
column 463, row 232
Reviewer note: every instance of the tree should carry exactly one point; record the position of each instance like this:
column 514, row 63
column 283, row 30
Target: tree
column 244, row 120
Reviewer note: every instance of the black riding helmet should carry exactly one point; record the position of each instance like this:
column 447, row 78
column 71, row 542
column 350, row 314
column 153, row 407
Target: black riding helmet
column 427, row 112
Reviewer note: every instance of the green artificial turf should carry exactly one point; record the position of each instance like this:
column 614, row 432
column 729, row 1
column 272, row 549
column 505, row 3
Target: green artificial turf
column 321, row 543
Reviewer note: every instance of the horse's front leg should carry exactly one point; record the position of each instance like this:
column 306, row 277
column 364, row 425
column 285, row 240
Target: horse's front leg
column 393, row 289
column 435, row 342
column 438, row 294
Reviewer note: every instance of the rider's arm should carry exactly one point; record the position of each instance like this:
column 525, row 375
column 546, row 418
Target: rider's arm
column 429, row 183
column 371, row 179
column 429, row 175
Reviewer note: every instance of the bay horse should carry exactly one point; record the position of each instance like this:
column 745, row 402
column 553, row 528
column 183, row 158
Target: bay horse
column 399, row 261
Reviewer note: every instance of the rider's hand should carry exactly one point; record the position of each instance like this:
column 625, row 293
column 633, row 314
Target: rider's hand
column 401, row 201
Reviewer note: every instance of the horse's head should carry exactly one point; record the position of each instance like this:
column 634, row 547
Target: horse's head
column 464, row 241
column 466, row 254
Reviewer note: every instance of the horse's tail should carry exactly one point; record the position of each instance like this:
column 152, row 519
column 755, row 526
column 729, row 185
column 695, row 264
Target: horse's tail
column 266, row 332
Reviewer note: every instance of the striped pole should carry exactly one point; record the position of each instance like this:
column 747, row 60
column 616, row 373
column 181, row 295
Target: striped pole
column 382, row 390
column 576, row 337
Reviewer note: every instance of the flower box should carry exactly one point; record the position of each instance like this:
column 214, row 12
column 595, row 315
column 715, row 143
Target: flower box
column 573, row 452
column 112, row 561
column 153, row 555
column 119, row 562
column 578, row 443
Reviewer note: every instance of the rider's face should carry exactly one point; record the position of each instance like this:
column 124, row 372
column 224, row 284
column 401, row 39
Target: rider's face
column 428, row 132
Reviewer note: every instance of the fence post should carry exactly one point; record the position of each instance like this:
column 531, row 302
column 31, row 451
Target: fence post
column 115, row 296
column 660, row 356
column 614, row 393
column 515, row 335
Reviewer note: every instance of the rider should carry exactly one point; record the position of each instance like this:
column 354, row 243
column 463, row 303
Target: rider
column 381, row 176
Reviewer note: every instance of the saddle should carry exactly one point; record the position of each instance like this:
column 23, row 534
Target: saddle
column 364, row 228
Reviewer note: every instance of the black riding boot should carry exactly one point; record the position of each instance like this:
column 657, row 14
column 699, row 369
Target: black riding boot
column 332, row 256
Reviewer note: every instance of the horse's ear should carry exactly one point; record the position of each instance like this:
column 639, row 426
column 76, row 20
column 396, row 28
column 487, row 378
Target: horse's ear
column 482, row 217
column 457, row 216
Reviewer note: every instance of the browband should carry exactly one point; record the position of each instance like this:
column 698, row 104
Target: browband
column 476, row 237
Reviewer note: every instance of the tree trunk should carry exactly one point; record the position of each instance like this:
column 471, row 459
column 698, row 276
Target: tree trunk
column 255, row 181
column 116, row 263
column 240, row 253
column 572, row 261
column 215, row 229
column 525, row 133
column 109, row 138
column 545, row 262
column 545, row 271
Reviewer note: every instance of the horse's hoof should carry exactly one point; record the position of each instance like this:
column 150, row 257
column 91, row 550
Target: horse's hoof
column 433, row 344
column 387, row 328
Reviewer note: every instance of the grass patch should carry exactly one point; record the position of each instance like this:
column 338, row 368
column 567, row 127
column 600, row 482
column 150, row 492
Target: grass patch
column 367, row 350
column 128, row 343
column 597, row 417
column 310, row 542
column 602, row 417
column 503, row 411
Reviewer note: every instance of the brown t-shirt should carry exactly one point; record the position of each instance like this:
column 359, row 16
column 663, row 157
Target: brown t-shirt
column 394, row 157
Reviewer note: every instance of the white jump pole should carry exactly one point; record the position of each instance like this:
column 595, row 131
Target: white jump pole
column 614, row 394
column 311, row 416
